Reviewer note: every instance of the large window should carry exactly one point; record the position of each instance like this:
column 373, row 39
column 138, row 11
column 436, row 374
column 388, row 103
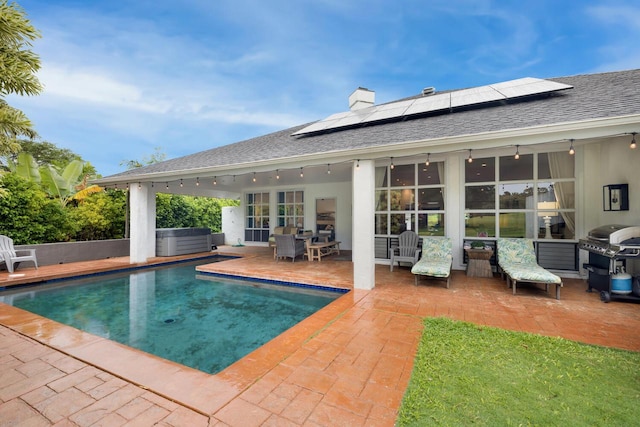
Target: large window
column 410, row 197
column 257, row 217
column 533, row 196
column 291, row 209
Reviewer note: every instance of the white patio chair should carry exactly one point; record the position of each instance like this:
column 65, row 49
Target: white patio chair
column 11, row 256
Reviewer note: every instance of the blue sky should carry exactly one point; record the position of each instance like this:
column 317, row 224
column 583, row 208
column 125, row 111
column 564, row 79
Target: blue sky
column 124, row 77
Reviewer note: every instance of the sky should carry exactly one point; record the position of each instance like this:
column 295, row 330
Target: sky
column 126, row 79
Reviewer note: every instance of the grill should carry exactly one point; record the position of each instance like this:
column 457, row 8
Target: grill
column 609, row 247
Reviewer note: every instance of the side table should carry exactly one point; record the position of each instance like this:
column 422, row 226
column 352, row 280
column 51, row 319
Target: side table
column 478, row 264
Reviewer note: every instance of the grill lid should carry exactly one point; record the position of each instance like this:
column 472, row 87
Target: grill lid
column 602, row 233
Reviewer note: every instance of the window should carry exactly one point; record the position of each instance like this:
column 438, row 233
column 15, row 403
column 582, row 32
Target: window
column 410, row 197
column 532, row 197
column 257, row 217
column 291, row 209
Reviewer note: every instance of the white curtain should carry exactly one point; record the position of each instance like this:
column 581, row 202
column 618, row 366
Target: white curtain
column 381, row 173
column 564, row 191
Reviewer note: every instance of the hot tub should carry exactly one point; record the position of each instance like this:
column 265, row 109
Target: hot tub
column 181, row 241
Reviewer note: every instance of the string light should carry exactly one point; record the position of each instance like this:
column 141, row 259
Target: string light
column 633, row 144
column 197, row 182
column 139, row 185
column 517, row 155
column 127, row 186
column 167, row 185
column 277, row 173
column 254, row 177
column 470, row 159
column 151, row 184
column 215, row 180
column 301, row 173
column 328, row 169
column 572, row 151
column 392, row 166
column 358, row 164
column 428, row 157
column 181, row 184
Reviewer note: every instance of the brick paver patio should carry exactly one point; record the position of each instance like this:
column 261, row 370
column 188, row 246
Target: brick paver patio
column 349, row 364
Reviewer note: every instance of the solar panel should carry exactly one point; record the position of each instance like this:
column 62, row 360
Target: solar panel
column 518, row 88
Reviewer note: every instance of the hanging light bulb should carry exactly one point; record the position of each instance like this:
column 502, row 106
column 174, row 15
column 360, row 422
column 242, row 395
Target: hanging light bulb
column 197, row 182
column 277, row 174
column 428, row 160
column 301, row 173
column 115, row 187
column 254, row 177
column 358, row 164
column 470, row 159
column 151, row 184
column 517, row 155
column 167, row 185
column 127, row 186
column 328, row 169
column 633, row 144
column 139, row 185
column 572, row 150
column 215, row 180
column 181, row 184
column 392, row 165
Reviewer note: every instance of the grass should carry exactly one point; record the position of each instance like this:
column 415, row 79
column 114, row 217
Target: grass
column 465, row 374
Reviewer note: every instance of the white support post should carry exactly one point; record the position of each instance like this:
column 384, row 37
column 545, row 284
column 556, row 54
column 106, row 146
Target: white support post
column 143, row 223
column 364, row 276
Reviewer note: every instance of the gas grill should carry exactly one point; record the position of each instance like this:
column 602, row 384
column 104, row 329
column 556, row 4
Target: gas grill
column 609, row 247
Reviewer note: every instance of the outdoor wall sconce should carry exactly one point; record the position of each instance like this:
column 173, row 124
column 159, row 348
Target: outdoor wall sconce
column 615, row 197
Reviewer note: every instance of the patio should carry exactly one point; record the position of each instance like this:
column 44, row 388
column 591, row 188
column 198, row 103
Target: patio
column 348, row 364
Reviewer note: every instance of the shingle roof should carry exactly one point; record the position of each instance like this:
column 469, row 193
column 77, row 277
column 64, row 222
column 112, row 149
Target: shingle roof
column 594, row 96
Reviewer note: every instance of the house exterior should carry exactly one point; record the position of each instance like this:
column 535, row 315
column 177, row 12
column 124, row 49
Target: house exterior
column 524, row 158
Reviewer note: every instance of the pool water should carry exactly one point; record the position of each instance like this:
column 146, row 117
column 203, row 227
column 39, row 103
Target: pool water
column 175, row 313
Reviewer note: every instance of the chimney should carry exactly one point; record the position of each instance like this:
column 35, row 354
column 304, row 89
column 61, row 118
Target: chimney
column 361, row 98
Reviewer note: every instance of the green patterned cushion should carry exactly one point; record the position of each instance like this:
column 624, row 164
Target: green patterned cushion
column 523, row 272
column 516, row 250
column 436, row 257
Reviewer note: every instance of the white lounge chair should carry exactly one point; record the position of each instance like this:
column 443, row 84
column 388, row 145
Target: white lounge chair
column 11, row 256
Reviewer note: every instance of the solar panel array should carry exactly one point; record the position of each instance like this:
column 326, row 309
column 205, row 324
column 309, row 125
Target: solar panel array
column 512, row 89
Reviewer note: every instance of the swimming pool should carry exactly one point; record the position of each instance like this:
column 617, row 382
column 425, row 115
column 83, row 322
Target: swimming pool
column 197, row 320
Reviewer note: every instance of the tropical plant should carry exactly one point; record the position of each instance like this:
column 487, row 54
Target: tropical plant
column 28, row 215
column 19, row 66
column 100, row 216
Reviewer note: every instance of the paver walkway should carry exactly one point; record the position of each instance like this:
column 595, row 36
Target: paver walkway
column 348, row 364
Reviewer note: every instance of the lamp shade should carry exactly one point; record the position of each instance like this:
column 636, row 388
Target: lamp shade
column 548, row 207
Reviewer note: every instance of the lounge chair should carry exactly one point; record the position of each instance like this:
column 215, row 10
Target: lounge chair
column 407, row 250
column 13, row 257
column 517, row 260
column 287, row 246
column 436, row 259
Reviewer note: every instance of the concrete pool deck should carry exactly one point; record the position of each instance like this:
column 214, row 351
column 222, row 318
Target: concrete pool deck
column 348, row 364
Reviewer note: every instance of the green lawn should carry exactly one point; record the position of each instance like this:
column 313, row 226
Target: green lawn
column 466, row 374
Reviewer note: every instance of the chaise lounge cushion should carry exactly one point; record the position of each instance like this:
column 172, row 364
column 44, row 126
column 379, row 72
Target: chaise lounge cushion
column 517, row 259
column 436, row 258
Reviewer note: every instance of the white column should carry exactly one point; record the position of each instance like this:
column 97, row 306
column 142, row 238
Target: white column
column 143, row 223
column 364, row 275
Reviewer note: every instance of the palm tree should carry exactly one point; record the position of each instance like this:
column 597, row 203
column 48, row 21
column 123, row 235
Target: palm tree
column 18, row 65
